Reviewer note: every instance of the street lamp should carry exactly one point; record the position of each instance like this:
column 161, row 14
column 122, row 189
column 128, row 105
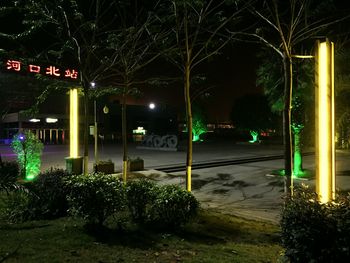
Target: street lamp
column 152, row 106
column 93, row 85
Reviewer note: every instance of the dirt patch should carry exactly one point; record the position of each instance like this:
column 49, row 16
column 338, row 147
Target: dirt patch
column 220, row 191
column 276, row 183
column 223, row 176
column 238, row 183
column 198, row 184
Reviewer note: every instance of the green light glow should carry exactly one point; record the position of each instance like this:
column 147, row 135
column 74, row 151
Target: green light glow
column 198, row 128
column 255, row 136
column 298, row 159
column 28, row 149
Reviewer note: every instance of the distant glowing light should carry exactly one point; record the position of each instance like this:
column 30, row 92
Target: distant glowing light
column 51, row 120
column 152, row 106
column 255, row 136
column 93, row 84
column 34, row 120
column 139, row 130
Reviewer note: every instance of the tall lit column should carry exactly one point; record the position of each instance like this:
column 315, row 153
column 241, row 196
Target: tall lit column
column 325, row 155
column 73, row 123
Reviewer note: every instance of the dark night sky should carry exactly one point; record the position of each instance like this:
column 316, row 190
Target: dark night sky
column 230, row 74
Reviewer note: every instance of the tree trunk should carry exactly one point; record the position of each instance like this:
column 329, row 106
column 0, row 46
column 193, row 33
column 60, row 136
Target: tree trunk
column 288, row 88
column 124, row 136
column 298, row 159
column 189, row 126
column 86, row 127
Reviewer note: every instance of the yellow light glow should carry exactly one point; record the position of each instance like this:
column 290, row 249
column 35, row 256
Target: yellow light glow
column 189, row 179
column 325, row 168
column 73, row 123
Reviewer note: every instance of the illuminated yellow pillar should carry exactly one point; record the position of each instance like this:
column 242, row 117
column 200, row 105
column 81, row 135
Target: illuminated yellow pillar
column 73, row 123
column 325, row 155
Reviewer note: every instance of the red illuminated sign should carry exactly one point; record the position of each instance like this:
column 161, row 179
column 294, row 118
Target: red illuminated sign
column 54, row 71
column 13, row 65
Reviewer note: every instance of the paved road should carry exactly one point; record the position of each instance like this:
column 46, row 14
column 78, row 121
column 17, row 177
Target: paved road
column 53, row 155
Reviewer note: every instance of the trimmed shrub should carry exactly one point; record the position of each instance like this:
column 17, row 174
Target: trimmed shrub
column 141, row 195
column 17, row 206
column 51, row 193
column 95, row 197
column 9, row 174
column 315, row 232
column 341, row 214
column 173, row 207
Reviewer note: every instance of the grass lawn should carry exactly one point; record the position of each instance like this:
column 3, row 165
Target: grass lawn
column 213, row 237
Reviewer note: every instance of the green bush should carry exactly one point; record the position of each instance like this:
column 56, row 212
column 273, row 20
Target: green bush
column 17, row 206
column 51, row 193
column 95, row 197
column 315, row 232
column 9, row 174
column 141, row 195
column 341, row 213
column 28, row 149
column 173, row 207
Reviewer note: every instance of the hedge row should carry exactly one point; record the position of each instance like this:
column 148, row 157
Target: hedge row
column 98, row 197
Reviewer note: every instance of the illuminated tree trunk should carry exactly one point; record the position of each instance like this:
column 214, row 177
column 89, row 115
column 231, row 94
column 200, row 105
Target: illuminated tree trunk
column 189, row 126
column 255, row 136
column 297, row 161
column 287, row 64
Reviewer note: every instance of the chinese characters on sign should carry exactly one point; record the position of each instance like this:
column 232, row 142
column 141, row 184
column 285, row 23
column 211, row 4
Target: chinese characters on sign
column 50, row 70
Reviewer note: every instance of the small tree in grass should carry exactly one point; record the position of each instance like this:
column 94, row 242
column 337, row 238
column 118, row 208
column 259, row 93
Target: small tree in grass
column 252, row 113
column 198, row 127
column 28, row 149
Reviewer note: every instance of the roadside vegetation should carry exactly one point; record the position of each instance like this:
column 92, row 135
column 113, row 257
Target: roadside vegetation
column 60, row 217
column 212, row 237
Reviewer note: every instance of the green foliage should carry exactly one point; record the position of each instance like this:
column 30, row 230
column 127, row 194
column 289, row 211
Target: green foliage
column 28, row 149
column 315, row 232
column 270, row 76
column 95, row 197
column 9, row 173
column 17, row 206
column 141, row 195
column 173, row 207
column 199, row 126
column 50, row 193
column 255, row 136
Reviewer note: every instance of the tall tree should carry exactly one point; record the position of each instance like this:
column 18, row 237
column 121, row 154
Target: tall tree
column 198, row 32
column 132, row 48
column 270, row 77
column 287, row 27
column 76, row 30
